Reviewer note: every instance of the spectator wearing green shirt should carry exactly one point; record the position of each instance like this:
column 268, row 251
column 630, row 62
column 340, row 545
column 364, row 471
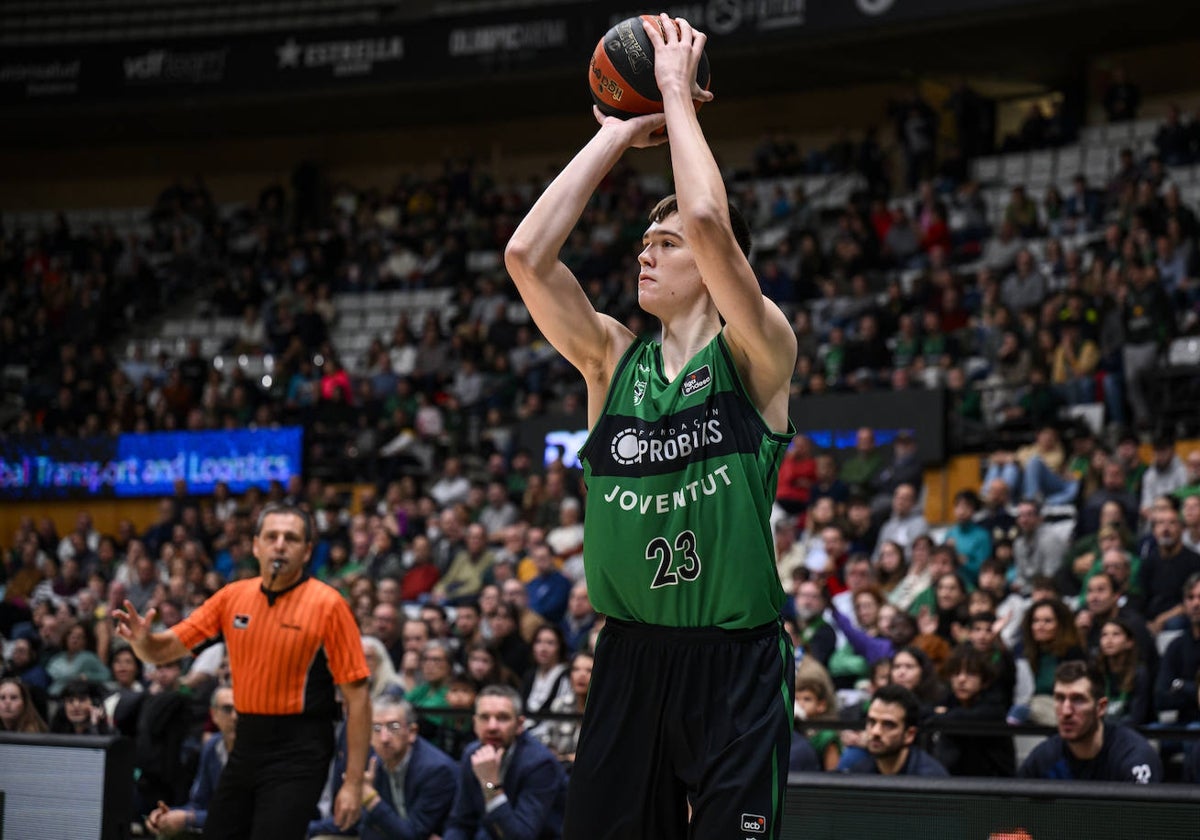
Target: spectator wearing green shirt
column 1191, row 487
column 861, row 470
column 1128, row 455
column 436, row 670
column 466, row 574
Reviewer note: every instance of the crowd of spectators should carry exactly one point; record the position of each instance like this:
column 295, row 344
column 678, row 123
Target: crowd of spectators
column 1058, row 300
column 1068, row 551
column 464, row 566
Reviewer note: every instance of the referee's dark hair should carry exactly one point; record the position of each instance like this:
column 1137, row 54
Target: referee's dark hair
column 284, row 508
column 901, row 696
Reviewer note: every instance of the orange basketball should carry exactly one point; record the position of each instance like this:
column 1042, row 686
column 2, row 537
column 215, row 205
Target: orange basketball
column 621, row 72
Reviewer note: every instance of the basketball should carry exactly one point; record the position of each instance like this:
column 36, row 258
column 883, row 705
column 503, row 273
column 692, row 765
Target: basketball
column 621, row 72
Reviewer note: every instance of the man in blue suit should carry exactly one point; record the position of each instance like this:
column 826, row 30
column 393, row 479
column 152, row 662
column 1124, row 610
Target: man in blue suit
column 510, row 786
column 409, row 784
column 189, row 820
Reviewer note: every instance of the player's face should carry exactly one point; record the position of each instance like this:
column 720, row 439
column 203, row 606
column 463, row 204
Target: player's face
column 282, row 539
column 496, row 722
column 391, row 735
column 886, row 733
column 1078, row 712
column 667, row 267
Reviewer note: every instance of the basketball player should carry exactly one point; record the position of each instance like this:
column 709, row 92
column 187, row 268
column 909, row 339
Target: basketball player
column 690, row 702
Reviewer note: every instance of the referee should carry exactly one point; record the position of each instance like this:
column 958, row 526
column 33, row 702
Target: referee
column 291, row 639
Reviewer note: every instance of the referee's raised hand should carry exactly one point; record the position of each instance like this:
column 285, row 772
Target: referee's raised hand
column 155, row 648
column 132, row 627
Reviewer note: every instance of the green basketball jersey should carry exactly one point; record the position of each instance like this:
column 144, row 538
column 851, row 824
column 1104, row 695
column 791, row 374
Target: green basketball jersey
column 680, row 477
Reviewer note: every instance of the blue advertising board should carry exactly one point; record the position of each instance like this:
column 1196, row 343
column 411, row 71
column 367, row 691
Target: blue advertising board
column 138, row 465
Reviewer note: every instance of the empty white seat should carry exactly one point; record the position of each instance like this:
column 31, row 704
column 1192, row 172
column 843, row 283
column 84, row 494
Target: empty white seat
column 1143, row 130
column 1091, row 135
column 1041, row 166
column 986, row 169
column 1014, row 169
column 1068, row 162
column 1184, row 351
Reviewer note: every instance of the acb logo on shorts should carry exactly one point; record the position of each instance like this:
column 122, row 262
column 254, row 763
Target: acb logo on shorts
column 755, row 823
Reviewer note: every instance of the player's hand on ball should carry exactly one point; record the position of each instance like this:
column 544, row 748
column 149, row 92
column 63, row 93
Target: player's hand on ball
column 678, row 49
column 641, row 132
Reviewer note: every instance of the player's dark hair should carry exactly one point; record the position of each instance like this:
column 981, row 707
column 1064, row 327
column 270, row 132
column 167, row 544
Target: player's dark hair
column 741, row 230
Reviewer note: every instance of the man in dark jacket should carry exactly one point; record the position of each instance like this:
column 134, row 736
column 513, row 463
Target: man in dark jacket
column 1086, row 748
column 891, row 733
column 509, row 785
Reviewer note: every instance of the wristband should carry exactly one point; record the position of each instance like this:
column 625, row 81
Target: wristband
column 369, row 800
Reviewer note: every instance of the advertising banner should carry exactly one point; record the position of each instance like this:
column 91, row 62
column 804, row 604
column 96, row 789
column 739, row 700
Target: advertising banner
column 492, row 48
column 130, row 466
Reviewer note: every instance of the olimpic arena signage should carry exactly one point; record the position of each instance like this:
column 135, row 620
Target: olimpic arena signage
column 492, row 44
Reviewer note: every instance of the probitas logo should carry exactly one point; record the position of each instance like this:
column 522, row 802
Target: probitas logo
column 661, row 444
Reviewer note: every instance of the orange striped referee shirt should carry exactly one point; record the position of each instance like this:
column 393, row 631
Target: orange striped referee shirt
column 284, row 658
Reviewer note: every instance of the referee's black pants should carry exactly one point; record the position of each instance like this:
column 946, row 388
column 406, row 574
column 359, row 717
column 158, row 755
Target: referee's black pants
column 273, row 779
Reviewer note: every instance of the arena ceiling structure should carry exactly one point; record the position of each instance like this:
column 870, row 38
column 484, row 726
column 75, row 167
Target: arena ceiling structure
column 75, row 72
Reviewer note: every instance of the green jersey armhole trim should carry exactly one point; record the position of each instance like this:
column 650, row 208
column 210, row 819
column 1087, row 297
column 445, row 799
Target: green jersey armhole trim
column 633, row 348
column 783, row 438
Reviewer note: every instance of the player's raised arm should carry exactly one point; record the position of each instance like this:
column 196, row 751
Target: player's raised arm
column 589, row 340
column 758, row 333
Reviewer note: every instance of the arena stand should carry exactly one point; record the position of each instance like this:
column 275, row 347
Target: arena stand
column 180, row 273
